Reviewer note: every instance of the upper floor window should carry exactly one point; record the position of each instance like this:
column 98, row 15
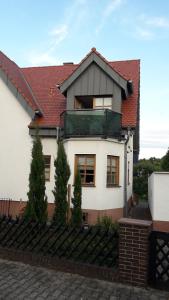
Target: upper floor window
column 102, row 102
column 47, row 159
column 112, row 170
column 86, row 165
column 90, row 102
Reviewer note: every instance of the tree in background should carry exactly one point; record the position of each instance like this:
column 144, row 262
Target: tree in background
column 77, row 201
column 36, row 208
column 165, row 162
column 142, row 170
column 62, row 174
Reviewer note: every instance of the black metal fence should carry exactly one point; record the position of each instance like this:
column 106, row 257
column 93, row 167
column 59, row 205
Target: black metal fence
column 94, row 245
column 159, row 260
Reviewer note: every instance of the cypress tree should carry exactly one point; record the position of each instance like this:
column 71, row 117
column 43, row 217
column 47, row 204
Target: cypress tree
column 77, row 201
column 165, row 162
column 36, row 208
column 62, row 174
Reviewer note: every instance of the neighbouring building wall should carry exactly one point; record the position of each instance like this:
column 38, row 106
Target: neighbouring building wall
column 158, row 191
column 15, row 146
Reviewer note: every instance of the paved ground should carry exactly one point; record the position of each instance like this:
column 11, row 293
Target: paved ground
column 140, row 211
column 20, row 281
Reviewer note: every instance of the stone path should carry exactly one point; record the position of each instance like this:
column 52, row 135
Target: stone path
column 20, row 281
column 140, row 211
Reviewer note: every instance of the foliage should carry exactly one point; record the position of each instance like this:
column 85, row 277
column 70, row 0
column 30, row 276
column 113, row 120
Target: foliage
column 165, row 162
column 77, row 201
column 36, row 208
column 107, row 223
column 62, row 174
column 142, row 170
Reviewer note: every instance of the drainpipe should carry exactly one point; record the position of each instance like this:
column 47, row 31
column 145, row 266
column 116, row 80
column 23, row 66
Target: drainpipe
column 125, row 173
column 57, row 134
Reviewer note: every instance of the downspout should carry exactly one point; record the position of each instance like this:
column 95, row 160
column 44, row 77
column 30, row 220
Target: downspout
column 125, row 174
column 57, row 134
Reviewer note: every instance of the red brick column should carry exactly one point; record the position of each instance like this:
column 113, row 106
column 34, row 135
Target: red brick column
column 134, row 251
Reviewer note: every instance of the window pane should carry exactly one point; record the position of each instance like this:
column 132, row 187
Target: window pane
column 89, row 179
column 81, row 160
column 113, row 162
column 90, row 161
column 98, row 101
column 47, row 159
column 108, row 161
column 107, row 101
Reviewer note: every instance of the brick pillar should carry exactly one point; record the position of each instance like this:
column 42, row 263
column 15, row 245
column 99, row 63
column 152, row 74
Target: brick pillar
column 134, row 251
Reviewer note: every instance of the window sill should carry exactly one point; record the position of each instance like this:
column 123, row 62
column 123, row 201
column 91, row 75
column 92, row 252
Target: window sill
column 113, row 186
column 88, row 185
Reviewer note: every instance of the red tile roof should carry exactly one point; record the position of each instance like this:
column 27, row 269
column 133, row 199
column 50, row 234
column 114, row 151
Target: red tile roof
column 16, row 76
column 38, row 85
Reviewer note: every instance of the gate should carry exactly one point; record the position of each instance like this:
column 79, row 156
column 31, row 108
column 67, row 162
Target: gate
column 159, row 260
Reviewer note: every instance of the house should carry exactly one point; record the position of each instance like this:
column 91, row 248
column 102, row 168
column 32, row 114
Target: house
column 94, row 107
column 158, row 191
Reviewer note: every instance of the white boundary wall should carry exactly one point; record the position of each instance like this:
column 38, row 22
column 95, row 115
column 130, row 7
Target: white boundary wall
column 158, row 195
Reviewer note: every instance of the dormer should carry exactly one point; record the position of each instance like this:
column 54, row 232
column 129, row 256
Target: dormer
column 95, row 84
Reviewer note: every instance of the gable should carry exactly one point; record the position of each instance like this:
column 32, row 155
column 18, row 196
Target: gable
column 14, row 78
column 95, row 57
column 94, row 82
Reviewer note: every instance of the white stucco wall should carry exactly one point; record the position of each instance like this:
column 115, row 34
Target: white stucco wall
column 50, row 148
column 158, row 192
column 99, row 197
column 15, row 146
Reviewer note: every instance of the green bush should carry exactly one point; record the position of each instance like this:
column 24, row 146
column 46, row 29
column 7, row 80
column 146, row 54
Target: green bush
column 107, row 223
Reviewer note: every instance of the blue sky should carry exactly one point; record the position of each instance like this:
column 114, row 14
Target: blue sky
column 51, row 32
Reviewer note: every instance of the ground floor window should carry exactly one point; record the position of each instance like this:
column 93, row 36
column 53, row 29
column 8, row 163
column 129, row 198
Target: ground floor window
column 86, row 164
column 112, row 170
column 47, row 159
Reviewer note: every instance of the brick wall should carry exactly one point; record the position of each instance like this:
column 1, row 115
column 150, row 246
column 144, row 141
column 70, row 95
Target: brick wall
column 134, row 251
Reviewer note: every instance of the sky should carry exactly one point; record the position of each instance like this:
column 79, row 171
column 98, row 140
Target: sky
column 50, row 32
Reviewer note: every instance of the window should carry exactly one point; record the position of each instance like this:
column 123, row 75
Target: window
column 112, row 170
column 86, row 165
column 102, row 102
column 47, row 159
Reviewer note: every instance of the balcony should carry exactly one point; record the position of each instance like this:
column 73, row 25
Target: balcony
column 91, row 122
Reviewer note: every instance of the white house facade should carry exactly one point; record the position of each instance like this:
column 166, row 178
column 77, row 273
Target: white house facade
column 93, row 107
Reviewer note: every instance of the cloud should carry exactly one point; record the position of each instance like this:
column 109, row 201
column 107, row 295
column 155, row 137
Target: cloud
column 154, row 138
column 43, row 58
column 144, row 34
column 73, row 16
column 59, row 33
column 156, row 22
column 55, row 36
column 112, row 6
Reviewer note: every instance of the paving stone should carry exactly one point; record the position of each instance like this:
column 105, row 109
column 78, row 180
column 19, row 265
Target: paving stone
column 23, row 282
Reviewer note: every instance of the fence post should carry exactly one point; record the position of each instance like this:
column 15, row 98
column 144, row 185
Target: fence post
column 134, row 251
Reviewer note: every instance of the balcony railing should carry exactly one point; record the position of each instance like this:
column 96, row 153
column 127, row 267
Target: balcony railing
column 91, row 122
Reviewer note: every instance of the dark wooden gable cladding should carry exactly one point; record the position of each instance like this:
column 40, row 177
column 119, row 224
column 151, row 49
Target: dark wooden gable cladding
column 94, row 82
column 101, row 63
